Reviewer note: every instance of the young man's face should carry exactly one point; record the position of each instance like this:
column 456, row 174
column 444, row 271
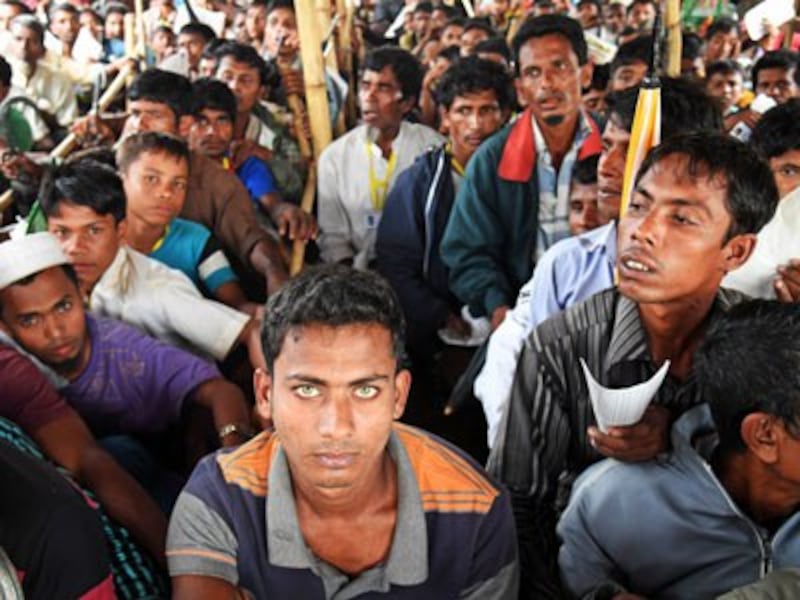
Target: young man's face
column 627, row 76
column 642, row 16
column 90, row 22
column 243, row 80
column 470, row 119
column 192, row 44
column 583, row 214
column 588, row 14
column 451, row 36
column 671, row 241
column 611, row 170
column 155, row 187
column 90, row 240
column 46, row 317
column 162, row 42
column 211, row 133
column 255, row 21
column 421, row 23
column 786, row 170
column 725, row 87
column 438, row 18
column 147, row 115
column 281, row 26
column 471, row 38
column 550, row 79
column 595, row 101
column 115, row 26
column 65, row 26
column 777, row 83
column 614, row 17
column 25, row 44
column 381, row 99
column 722, row 45
column 7, row 14
column 333, row 396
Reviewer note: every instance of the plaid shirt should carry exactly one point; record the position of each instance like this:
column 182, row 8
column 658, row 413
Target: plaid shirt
column 554, row 186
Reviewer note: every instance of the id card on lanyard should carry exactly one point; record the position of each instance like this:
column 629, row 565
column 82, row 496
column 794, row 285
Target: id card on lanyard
column 379, row 186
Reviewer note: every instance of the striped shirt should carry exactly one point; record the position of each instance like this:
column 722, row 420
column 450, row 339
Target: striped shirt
column 542, row 443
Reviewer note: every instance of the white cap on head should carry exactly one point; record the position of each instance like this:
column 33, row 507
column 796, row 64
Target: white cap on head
column 29, row 254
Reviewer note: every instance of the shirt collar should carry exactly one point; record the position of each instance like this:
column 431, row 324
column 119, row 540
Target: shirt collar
column 628, row 338
column 408, row 557
column 519, row 151
column 116, row 276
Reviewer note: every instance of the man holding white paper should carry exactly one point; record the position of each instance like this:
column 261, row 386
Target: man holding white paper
column 698, row 202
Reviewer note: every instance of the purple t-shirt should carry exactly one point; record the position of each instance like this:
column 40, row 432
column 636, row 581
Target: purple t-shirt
column 133, row 383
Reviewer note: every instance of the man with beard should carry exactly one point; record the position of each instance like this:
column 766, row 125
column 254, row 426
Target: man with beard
column 514, row 201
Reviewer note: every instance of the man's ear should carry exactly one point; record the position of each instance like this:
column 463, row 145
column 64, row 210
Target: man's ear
column 408, row 104
column 122, row 229
column 262, row 387
column 760, row 433
column 402, row 386
column 737, row 250
column 185, row 126
column 444, row 119
column 586, row 74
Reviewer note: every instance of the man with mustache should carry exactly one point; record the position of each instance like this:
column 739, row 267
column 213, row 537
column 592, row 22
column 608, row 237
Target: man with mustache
column 693, row 219
column 514, row 201
column 338, row 501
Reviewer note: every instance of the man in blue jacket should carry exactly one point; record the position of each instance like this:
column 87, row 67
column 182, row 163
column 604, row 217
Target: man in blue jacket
column 475, row 97
column 514, row 201
column 721, row 511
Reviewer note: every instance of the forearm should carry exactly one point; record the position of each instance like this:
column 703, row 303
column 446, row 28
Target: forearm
column 265, row 258
column 124, row 500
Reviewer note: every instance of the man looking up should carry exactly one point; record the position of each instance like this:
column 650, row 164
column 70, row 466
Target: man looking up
column 514, row 201
column 475, row 97
column 580, row 266
column 728, row 489
column 351, row 191
column 354, row 504
column 699, row 200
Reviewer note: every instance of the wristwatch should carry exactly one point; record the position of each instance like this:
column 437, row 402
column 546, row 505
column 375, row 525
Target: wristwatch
column 245, row 431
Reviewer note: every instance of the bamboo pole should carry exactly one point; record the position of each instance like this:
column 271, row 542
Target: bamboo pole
column 68, row 143
column 310, row 34
column 672, row 23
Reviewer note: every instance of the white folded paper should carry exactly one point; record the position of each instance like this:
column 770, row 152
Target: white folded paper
column 623, row 406
column 769, row 12
column 479, row 329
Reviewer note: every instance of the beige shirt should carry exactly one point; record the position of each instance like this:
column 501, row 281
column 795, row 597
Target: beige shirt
column 52, row 91
column 165, row 304
column 347, row 217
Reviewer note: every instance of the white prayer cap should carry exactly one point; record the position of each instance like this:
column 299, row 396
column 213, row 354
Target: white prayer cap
column 29, row 254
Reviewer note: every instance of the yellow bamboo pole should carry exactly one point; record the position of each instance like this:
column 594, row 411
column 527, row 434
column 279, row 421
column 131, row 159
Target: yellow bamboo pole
column 672, row 23
column 310, row 34
column 69, row 142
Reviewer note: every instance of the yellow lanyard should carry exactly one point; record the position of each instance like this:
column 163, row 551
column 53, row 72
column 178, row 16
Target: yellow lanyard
column 379, row 188
column 454, row 164
column 160, row 241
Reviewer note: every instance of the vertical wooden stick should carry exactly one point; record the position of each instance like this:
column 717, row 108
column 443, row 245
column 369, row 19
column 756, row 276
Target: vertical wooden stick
column 310, row 34
column 672, row 23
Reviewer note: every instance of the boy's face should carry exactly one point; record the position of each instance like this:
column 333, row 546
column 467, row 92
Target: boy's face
column 211, row 133
column 421, row 23
column 470, row 119
column 451, row 35
column 778, row 83
column 254, row 22
column 614, row 17
column 786, row 170
column 583, row 208
column 155, row 187
column 162, row 42
column 192, row 44
column 243, row 80
column 725, row 87
column 115, row 26
column 671, row 241
column 89, row 240
column 595, row 101
column 611, row 169
column 588, row 14
column 470, row 39
column 65, row 25
column 280, row 33
column 722, row 45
